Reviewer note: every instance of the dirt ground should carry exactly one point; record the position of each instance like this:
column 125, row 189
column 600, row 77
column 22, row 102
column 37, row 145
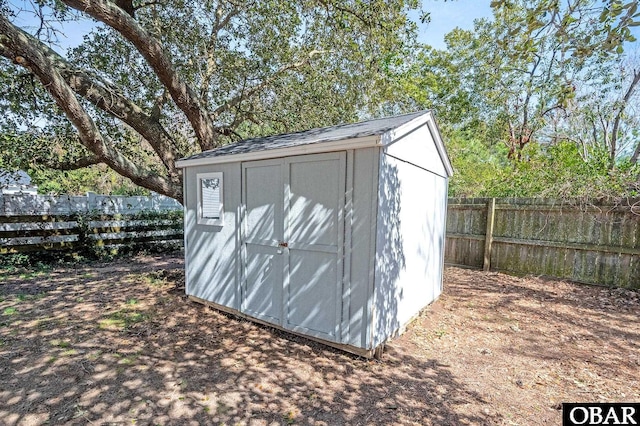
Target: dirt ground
column 119, row 343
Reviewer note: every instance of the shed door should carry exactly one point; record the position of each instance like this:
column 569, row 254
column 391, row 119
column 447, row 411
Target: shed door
column 293, row 242
column 262, row 195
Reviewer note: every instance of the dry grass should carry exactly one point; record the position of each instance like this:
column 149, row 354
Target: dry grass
column 119, row 343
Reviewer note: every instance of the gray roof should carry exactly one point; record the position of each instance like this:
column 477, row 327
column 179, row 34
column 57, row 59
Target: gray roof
column 324, row 134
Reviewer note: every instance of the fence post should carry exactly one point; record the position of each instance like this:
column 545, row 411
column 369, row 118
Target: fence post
column 488, row 239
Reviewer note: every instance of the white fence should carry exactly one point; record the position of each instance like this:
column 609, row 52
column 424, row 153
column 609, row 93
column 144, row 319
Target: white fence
column 26, row 204
column 42, row 222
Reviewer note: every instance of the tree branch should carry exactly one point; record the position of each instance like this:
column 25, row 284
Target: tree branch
column 258, row 87
column 109, row 99
column 618, row 118
column 328, row 5
column 548, row 110
column 219, row 23
column 146, row 4
column 32, row 57
column 153, row 52
column 80, row 163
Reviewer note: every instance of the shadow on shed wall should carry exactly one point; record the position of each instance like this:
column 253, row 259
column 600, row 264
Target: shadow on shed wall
column 390, row 258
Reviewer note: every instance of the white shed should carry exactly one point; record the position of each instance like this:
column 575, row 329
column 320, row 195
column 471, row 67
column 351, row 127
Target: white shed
column 334, row 233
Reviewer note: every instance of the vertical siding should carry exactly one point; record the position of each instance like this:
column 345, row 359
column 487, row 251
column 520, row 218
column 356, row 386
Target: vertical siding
column 361, row 264
column 213, row 266
column 409, row 244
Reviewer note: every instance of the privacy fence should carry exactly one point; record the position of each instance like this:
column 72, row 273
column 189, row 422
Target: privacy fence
column 594, row 243
column 30, row 223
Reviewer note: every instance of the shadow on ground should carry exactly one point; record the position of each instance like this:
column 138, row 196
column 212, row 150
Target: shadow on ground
column 121, row 344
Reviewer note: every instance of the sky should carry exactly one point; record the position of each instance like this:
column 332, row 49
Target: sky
column 70, row 35
column 447, row 15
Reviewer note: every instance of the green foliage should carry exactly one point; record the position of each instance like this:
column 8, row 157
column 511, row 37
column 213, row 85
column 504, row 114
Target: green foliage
column 476, row 165
column 562, row 170
column 559, row 171
column 537, row 101
column 38, row 155
column 122, row 320
column 9, row 311
column 99, row 179
column 253, row 68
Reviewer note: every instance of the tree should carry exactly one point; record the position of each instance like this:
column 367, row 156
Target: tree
column 604, row 118
column 562, row 45
column 534, row 99
column 513, row 78
column 158, row 80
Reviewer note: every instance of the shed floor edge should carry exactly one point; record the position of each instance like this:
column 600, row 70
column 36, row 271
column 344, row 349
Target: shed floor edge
column 365, row 353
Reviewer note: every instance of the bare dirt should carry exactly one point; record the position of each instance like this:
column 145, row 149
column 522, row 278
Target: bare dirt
column 119, row 343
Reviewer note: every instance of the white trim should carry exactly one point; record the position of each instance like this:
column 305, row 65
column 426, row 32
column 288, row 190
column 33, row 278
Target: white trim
column 373, row 251
column 437, row 137
column 186, row 227
column 392, row 136
column 201, row 220
column 310, row 148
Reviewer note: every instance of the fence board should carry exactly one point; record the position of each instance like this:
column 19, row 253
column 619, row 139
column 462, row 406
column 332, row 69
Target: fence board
column 31, row 223
column 21, row 204
column 74, row 235
column 596, row 243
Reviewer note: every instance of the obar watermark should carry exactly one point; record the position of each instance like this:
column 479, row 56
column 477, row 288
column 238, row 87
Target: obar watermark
column 587, row 414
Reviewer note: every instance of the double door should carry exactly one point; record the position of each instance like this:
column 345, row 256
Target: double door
column 293, row 229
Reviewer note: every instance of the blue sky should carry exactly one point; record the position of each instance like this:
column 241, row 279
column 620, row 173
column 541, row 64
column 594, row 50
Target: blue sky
column 447, row 15
column 70, row 34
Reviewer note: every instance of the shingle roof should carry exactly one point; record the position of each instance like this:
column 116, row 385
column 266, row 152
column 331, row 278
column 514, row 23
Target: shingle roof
column 324, row 134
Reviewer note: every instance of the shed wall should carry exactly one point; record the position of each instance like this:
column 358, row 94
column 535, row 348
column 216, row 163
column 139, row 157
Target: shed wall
column 410, row 239
column 212, row 265
column 359, row 282
column 394, row 242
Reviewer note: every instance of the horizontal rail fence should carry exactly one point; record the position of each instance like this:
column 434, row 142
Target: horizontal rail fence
column 31, row 223
column 596, row 243
column 25, row 204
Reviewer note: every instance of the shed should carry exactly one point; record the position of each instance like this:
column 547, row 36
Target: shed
column 334, row 233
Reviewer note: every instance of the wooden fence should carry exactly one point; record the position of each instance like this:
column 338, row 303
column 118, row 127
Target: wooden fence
column 595, row 243
column 88, row 232
column 30, row 223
